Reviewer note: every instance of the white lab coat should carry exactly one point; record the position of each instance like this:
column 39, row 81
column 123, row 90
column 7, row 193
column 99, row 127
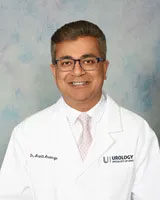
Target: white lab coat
column 43, row 162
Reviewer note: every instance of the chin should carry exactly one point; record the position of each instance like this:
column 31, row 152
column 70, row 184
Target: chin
column 79, row 98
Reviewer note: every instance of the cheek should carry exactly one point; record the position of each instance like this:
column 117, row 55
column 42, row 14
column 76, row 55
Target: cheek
column 60, row 76
column 99, row 76
column 61, row 81
column 99, row 80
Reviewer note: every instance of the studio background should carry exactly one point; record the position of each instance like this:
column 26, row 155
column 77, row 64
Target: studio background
column 132, row 29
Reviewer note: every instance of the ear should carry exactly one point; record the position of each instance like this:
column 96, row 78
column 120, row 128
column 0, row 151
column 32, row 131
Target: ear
column 105, row 67
column 53, row 69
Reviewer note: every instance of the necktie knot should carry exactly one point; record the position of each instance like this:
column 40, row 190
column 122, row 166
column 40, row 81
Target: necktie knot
column 84, row 119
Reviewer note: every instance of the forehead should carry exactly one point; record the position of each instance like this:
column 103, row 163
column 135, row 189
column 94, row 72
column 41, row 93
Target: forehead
column 77, row 48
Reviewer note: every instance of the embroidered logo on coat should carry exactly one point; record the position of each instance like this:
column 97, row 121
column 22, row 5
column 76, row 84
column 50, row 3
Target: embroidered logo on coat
column 42, row 156
column 118, row 159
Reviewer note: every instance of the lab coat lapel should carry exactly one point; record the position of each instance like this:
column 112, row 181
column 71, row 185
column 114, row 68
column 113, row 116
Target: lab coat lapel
column 64, row 137
column 101, row 144
column 109, row 124
column 69, row 162
column 67, row 143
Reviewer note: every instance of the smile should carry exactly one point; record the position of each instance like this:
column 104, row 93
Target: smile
column 79, row 83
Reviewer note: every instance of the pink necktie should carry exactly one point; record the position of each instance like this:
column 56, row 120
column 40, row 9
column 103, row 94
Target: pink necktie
column 85, row 139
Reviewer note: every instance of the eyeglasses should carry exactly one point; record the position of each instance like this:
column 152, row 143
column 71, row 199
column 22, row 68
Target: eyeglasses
column 88, row 64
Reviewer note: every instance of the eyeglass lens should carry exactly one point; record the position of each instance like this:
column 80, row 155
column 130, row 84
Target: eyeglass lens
column 69, row 64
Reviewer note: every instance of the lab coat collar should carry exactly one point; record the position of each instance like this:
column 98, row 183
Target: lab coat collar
column 113, row 117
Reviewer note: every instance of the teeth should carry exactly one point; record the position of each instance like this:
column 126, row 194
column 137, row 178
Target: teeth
column 78, row 83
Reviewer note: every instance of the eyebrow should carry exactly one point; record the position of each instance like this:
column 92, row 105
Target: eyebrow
column 88, row 55
column 83, row 56
column 65, row 57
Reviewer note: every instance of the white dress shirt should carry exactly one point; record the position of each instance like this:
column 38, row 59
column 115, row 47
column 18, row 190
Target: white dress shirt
column 72, row 114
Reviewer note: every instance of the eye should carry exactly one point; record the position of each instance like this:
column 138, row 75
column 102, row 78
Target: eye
column 66, row 62
column 89, row 61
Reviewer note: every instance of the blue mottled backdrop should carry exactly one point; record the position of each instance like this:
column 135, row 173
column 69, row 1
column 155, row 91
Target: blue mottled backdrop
column 132, row 28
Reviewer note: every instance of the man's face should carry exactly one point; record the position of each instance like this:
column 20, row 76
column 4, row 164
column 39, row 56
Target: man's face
column 88, row 89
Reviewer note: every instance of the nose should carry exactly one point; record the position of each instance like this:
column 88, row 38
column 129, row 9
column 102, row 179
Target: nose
column 77, row 69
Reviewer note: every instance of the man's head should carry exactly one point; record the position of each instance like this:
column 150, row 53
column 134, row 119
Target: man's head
column 78, row 63
column 73, row 30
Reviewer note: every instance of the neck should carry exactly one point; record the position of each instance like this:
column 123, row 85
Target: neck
column 82, row 106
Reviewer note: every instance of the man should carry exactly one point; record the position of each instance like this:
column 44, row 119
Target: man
column 84, row 147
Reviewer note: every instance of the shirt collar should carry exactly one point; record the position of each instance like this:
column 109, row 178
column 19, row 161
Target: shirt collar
column 95, row 112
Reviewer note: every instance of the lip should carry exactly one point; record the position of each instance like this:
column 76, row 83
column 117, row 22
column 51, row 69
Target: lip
column 79, row 84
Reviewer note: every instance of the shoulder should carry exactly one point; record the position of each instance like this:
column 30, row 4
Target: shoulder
column 39, row 121
column 125, row 114
column 135, row 132
column 132, row 123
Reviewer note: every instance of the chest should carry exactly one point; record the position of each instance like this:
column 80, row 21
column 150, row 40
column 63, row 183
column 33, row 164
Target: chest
column 108, row 176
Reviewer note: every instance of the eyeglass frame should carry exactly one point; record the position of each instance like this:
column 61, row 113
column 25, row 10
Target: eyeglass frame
column 75, row 60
